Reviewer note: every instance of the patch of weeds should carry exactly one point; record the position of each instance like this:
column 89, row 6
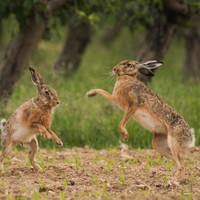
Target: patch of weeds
column 68, row 160
column 169, row 164
column 97, row 160
column 133, row 161
column 150, row 161
column 146, row 193
column 62, row 195
column 65, row 182
column 6, row 161
column 9, row 197
column 147, row 167
column 183, row 193
column 109, row 166
column 42, row 186
column 42, row 163
column 189, row 197
column 95, row 180
column 165, row 179
column 102, row 193
column 193, row 178
column 36, row 196
column 77, row 162
column 122, row 179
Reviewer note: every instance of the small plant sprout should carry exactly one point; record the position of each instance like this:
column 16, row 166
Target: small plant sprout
column 122, row 179
column 147, row 167
column 36, row 196
column 68, row 160
column 104, row 187
column 42, row 183
column 95, row 180
column 77, row 162
column 65, row 182
column 165, row 179
column 62, row 195
column 110, row 163
column 169, row 165
column 42, row 163
column 150, row 161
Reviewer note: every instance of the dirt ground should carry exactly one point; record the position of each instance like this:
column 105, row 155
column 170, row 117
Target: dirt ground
column 84, row 173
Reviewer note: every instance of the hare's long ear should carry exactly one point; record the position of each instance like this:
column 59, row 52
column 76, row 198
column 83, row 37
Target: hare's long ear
column 37, row 79
column 147, row 68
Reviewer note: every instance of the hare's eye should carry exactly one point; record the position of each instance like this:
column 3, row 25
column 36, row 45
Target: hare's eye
column 47, row 92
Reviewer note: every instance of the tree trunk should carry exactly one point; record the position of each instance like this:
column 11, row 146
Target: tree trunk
column 17, row 55
column 159, row 36
column 20, row 49
column 77, row 40
column 111, row 34
column 192, row 48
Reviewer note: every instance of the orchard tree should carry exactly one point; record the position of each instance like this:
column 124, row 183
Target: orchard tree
column 32, row 17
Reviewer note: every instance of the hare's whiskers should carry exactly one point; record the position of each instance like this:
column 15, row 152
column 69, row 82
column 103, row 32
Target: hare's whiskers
column 110, row 77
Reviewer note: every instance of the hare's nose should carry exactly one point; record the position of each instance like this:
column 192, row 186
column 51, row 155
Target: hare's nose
column 58, row 102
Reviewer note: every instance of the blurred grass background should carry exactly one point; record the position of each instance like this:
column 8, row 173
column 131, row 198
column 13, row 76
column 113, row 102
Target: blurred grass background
column 80, row 121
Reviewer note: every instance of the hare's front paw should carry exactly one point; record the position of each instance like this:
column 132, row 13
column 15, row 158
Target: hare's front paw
column 59, row 142
column 123, row 132
column 124, row 135
column 91, row 93
column 46, row 135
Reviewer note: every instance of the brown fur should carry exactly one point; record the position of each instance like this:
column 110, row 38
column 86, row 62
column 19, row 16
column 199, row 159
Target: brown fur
column 171, row 132
column 31, row 118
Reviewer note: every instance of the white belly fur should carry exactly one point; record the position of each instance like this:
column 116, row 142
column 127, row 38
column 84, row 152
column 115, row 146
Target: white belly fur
column 146, row 120
column 22, row 134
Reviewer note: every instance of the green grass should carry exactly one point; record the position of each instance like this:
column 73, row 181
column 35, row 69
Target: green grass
column 80, row 121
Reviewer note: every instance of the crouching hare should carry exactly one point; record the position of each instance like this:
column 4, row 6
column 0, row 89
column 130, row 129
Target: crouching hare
column 31, row 118
column 170, row 131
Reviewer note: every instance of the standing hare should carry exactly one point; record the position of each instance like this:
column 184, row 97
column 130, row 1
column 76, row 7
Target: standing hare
column 31, row 118
column 170, row 131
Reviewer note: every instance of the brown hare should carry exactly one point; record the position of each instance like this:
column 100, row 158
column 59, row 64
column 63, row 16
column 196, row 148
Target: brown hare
column 31, row 118
column 170, row 131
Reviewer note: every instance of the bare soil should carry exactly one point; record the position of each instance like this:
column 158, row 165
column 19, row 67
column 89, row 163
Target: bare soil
column 84, row 173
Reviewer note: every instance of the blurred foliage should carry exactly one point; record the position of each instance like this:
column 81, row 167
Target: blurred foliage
column 97, row 12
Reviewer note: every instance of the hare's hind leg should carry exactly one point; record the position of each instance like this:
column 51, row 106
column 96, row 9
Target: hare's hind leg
column 176, row 150
column 6, row 149
column 33, row 150
column 160, row 144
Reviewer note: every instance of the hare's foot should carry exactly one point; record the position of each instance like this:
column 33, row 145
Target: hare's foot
column 91, row 93
column 124, row 133
column 58, row 142
column 36, row 166
column 180, row 172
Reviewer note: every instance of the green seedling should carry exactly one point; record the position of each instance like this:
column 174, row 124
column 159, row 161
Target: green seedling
column 36, row 196
column 122, row 179
column 147, row 167
column 62, row 195
column 42, row 163
column 165, row 179
column 169, row 164
column 95, row 180
column 77, row 162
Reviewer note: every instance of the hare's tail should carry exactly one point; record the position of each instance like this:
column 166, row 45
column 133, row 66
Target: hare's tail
column 192, row 142
column 2, row 124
